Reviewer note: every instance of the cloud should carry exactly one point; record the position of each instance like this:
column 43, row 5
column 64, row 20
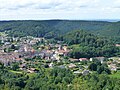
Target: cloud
column 14, row 4
column 39, row 9
column 116, row 7
column 43, row 4
column 46, row 5
column 83, row 6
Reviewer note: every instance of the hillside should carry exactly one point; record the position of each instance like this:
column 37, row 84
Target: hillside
column 85, row 60
column 54, row 28
column 87, row 45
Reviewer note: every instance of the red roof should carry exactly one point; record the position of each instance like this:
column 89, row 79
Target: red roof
column 83, row 59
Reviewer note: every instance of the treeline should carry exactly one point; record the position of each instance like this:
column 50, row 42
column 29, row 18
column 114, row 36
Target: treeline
column 55, row 28
column 26, row 28
column 44, row 79
column 87, row 45
column 96, row 82
column 55, row 79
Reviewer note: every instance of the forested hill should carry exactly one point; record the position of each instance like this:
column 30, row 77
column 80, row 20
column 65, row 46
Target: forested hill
column 87, row 45
column 54, row 28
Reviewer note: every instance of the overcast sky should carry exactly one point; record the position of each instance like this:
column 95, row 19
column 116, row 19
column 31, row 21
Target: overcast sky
column 59, row 9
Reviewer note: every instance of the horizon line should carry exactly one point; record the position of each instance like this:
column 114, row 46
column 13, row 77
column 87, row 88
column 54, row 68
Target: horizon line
column 109, row 20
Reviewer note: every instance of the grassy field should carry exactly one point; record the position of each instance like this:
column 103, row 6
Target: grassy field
column 19, row 72
column 116, row 75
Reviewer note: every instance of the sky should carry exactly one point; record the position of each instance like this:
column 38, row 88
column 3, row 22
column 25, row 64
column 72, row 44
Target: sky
column 59, row 9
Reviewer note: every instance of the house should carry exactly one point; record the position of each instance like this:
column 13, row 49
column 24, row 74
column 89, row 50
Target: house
column 113, row 67
column 51, row 65
column 77, row 72
column 65, row 48
column 117, row 45
column 32, row 42
column 83, row 59
column 8, row 58
column 32, row 70
column 16, row 51
column 74, row 60
column 7, row 43
column 62, row 52
column 114, row 59
column 56, row 57
column 71, row 65
column 47, row 54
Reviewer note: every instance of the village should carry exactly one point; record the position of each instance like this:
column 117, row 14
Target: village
column 29, row 52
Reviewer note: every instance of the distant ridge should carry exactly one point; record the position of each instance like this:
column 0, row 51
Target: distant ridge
column 109, row 20
column 55, row 28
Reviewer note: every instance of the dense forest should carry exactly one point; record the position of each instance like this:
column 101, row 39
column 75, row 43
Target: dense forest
column 55, row 28
column 56, row 79
column 87, row 45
